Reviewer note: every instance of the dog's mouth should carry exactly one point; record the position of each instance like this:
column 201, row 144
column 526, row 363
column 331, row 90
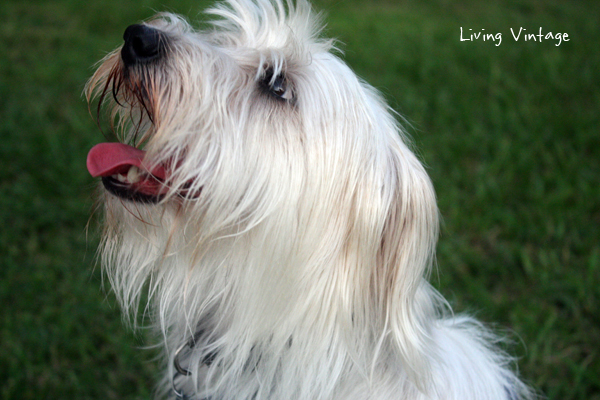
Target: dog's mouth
column 125, row 174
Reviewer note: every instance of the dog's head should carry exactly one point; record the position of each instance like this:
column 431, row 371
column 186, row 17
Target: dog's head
column 216, row 107
column 255, row 171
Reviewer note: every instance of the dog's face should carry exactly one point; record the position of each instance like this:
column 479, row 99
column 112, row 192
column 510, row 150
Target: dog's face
column 237, row 107
column 256, row 172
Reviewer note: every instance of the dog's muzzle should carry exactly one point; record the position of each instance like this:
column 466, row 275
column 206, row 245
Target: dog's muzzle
column 143, row 44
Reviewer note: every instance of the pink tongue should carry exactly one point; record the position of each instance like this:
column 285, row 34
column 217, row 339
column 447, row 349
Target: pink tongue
column 107, row 159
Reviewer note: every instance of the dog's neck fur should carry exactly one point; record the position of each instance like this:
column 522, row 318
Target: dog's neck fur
column 264, row 324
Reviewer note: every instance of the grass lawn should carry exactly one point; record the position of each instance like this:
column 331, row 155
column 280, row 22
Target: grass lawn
column 510, row 135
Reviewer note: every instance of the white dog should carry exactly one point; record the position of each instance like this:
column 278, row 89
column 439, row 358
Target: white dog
column 276, row 220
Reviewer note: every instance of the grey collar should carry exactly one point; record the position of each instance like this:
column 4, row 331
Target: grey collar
column 181, row 372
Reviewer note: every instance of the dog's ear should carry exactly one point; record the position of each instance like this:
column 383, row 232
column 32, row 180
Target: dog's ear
column 404, row 299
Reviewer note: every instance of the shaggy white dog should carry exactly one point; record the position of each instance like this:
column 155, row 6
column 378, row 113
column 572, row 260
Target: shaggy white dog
column 276, row 220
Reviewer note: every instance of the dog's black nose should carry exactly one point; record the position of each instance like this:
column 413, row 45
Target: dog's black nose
column 142, row 44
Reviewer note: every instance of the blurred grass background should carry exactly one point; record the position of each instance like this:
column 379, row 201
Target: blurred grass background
column 510, row 135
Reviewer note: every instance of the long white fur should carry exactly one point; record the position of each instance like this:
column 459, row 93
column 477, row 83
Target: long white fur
column 305, row 257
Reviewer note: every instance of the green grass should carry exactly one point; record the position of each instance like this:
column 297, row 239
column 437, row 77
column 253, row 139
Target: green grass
column 509, row 134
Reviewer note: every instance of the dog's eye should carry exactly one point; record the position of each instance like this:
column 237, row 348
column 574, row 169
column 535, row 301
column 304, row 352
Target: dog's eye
column 277, row 85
